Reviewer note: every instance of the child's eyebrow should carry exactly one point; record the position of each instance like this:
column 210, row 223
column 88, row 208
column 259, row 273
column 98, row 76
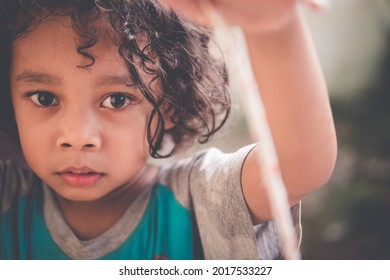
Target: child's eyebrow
column 28, row 76
column 37, row 77
column 112, row 80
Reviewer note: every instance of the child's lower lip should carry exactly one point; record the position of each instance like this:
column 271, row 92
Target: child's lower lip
column 80, row 179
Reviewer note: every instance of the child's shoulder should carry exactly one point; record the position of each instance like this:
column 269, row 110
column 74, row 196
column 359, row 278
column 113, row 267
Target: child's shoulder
column 205, row 163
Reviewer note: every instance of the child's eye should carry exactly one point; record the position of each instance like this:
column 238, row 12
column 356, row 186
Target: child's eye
column 43, row 98
column 117, row 101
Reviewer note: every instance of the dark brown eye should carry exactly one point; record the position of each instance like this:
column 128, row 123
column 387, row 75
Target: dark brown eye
column 44, row 99
column 116, row 101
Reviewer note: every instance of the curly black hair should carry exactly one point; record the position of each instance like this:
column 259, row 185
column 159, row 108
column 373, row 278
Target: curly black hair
column 177, row 54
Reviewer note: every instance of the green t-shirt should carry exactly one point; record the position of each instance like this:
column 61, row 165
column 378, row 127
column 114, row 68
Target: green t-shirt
column 195, row 210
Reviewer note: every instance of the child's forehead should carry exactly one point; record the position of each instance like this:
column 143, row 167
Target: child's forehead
column 52, row 28
column 53, row 47
column 58, row 28
column 54, row 41
column 57, row 34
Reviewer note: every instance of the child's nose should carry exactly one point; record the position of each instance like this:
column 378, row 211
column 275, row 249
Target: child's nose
column 79, row 132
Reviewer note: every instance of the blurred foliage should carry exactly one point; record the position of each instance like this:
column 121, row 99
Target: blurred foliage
column 353, row 221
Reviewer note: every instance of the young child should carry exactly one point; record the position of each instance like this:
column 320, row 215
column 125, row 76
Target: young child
column 98, row 86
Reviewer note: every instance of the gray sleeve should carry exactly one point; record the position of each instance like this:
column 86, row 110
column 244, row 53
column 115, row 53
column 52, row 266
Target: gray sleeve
column 268, row 237
column 14, row 182
column 225, row 226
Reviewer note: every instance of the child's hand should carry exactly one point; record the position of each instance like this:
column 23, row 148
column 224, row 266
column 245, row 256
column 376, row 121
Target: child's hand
column 251, row 15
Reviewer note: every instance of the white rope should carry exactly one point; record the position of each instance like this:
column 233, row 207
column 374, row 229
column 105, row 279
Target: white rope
column 260, row 131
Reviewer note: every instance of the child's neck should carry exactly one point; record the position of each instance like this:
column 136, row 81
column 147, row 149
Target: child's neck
column 89, row 220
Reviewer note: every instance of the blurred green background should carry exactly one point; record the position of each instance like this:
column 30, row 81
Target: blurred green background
column 350, row 217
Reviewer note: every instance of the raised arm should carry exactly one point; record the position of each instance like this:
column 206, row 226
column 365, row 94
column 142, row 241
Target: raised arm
column 297, row 106
column 294, row 94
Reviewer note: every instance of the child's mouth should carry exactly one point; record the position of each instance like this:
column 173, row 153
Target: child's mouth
column 80, row 177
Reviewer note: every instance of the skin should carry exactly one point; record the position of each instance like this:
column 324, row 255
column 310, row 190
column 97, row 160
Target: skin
column 80, row 128
column 293, row 92
column 80, row 131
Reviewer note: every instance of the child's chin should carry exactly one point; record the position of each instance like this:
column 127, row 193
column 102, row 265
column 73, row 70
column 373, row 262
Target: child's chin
column 79, row 195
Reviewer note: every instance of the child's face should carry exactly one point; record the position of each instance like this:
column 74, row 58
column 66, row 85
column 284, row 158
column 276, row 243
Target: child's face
column 83, row 131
